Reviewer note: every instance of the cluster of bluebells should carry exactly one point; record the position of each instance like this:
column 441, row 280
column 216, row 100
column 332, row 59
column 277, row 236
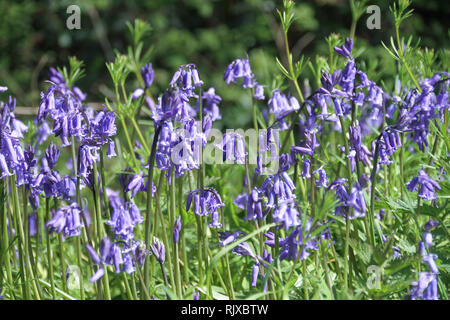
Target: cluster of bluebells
column 181, row 136
column 327, row 107
column 66, row 220
column 240, row 69
column 206, row 202
column 120, row 254
column 12, row 155
column 124, row 216
column 426, row 287
column 73, row 119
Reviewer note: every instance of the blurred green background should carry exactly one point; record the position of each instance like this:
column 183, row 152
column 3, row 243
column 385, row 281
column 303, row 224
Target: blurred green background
column 209, row 33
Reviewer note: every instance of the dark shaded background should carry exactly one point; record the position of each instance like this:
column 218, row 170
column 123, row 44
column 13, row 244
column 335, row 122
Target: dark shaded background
column 209, row 33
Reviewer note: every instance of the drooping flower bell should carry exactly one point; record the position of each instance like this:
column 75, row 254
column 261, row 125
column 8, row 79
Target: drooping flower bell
column 426, row 185
column 211, row 104
column 177, row 229
column 147, row 74
column 206, row 202
column 346, row 49
column 66, row 220
column 187, row 79
column 240, row 68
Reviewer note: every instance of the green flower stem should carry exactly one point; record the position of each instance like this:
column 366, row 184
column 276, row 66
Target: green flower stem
column 141, row 136
column 176, row 261
column 49, row 252
column 100, row 230
column 403, row 59
column 31, row 278
column 29, row 250
column 149, row 208
column 291, row 68
column 183, row 257
column 199, row 250
column 85, row 231
column 338, row 269
column 254, row 110
column 325, row 267
column 80, row 266
column 127, row 286
column 134, row 287
column 130, row 145
column 103, row 183
column 313, row 187
column 62, row 263
column 165, row 241
column 347, row 219
column 372, row 190
column 5, row 257
column 16, row 214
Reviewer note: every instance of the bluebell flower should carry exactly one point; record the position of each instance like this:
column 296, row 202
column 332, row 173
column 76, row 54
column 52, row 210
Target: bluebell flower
column 206, row 202
column 177, row 229
column 137, row 93
column 255, row 272
column 158, row 250
column 66, row 220
column 233, row 147
column 211, row 104
column 111, row 152
column 227, row 237
column 426, row 280
column 354, row 200
column 147, row 74
column 306, row 169
column 87, row 156
column 252, row 203
column 100, row 260
column 259, row 92
column 280, row 185
column 287, row 214
column 430, row 225
column 280, row 105
column 309, row 146
column 240, row 69
column 187, row 79
column 291, row 244
column 323, row 179
column 346, row 49
column 137, row 184
column 426, row 185
column 52, row 155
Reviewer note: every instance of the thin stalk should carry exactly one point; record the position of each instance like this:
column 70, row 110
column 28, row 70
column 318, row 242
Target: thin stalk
column 49, row 252
column 62, row 264
column 291, row 68
column 325, row 267
column 165, row 240
column 6, row 260
column 141, row 136
column 127, row 136
column 103, row 184
column 149, row 209
column 100, row 230
column 175, row 247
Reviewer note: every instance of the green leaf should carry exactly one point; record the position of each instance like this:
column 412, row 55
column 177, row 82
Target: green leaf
column 395, row 265
column 282, row 69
